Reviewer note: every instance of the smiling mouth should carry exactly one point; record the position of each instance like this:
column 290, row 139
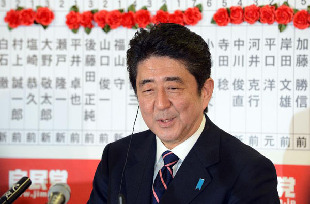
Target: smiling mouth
column 165, row 122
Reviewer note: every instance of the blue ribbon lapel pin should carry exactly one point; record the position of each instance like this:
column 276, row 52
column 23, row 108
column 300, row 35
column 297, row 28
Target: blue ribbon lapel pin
column 199, row 184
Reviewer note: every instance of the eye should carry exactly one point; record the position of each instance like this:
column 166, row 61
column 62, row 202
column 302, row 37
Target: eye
column 147, row 90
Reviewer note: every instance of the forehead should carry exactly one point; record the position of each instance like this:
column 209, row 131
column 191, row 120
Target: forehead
column 157, row 67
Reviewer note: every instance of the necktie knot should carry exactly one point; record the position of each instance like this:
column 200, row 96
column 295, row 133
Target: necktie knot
column 169, row 158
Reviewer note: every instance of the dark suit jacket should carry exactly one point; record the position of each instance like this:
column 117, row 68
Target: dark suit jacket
column 233, row 172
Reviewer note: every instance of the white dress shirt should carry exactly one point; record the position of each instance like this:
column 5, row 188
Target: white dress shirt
column 181, row 150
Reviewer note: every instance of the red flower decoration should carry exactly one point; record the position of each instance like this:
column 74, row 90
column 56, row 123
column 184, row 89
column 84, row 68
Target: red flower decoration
column 236, row 14
column 128, row 19
column 86, row 19
column 301, row 19
column 251, row 14
column 284, row 14
column 73, row 20
column 161, row 17
column 44, row 16
column 192, row 16
column 114, row 19
column 143, row 18
column 176, row 17
column 27, row 16
column 100, row 18
column 267, row 14
column 13, row 18
column 221, row 17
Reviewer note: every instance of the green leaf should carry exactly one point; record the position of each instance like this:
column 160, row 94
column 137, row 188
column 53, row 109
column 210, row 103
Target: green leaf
column 275, row 6
column 135, row 26
column 75, row 31
column 87, row 30
column 19, row 8
column 94, row 11
column 281, row 27
column 228, row 11
column 74, row 8
column 199, row 6
column 121, row 10
column 44, row 26
column 213, row 21
column 144, row 8
column 132, row 8
column 148, row 26
column 286, row 3
column 164, row 7
column 308, row 9
column 10, row 28
column 38, row 7
column 295, row 10
column 106, row 28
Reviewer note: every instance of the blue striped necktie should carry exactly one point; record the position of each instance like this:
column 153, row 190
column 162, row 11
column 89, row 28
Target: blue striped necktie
column 164, row 176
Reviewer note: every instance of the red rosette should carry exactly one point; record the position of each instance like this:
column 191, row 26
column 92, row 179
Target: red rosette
column 251, row 14
column 114, row 19
column 128, row 19
column 44, row 16
column 236, row 14
column 13, row 18
column 301, row 20
column 86, row 19
column 143, row 18
column 161, row 17
column 221, row 17
column 267, row 14
column 176, row 17
column 73, row 20
column 192, row 16
column 27, row 16
column 284, row 14
column 100, row 18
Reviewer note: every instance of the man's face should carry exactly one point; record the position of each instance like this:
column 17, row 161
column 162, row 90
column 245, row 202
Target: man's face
column 170, row 104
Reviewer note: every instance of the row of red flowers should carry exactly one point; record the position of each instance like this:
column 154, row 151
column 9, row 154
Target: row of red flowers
column 27, row 17
column 269, row 14
column 108, row 20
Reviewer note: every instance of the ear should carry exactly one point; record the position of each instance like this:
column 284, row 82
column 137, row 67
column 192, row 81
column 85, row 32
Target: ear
column 206, row 91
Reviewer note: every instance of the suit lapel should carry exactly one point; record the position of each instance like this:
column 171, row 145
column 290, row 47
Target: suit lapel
column 140, row 168
column 193, row 176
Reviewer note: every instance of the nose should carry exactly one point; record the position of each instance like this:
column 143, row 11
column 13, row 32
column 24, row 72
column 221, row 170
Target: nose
column 162, row 101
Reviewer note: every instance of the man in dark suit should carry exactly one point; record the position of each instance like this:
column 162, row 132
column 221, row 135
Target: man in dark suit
column 184, row 157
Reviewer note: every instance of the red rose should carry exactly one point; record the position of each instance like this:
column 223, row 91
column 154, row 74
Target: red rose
column 251, row 14
column 128, row 19
column 161, row 17
column 301, row 19
column 44, row 16
column 176, row 17
column 27, row 16
column 221, row 17
column 236, row 14
column 13, row 18
column 86, row 19
column 73, row 20
column 192, row 16
column 100, row 18
column 267, row 14
column 143, row 18
column 284, row 14
column 114, row 19
column 309, row 17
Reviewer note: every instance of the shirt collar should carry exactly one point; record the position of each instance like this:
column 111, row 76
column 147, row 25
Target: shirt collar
column 182, row 149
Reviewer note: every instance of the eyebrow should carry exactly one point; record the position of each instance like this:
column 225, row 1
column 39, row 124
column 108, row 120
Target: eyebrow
column 176, row 79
